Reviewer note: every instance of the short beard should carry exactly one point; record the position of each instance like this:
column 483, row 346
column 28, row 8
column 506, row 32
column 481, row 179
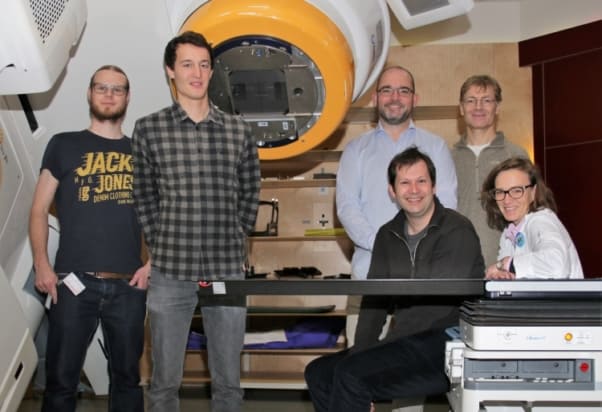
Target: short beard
column 111, row 117
column 394, row 121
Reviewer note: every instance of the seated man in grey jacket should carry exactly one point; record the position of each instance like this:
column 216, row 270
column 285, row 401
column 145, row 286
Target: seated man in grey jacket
column 423, row 241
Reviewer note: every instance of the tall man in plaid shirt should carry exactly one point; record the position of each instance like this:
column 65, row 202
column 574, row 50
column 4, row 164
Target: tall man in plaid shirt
column 196, row 190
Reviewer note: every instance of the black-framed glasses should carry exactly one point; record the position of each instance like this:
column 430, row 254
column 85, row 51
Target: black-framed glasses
column 101, row 88
column 515, row 192
column 389, row 91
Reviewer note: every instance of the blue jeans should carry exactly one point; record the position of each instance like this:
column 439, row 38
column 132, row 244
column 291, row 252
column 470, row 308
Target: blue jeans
column 120, row 309
column 171, row 304
column 407, row 367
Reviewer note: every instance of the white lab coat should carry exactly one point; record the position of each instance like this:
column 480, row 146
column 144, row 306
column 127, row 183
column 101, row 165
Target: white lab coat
column 545, row 251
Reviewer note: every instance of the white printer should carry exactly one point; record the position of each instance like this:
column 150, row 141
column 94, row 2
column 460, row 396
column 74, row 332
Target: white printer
column 529, row 346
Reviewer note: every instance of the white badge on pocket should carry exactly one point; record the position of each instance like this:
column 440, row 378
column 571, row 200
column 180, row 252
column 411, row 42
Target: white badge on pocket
column 219, row 288
column 74, row 284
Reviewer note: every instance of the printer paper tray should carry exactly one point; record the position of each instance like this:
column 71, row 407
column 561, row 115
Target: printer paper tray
column 487, row 312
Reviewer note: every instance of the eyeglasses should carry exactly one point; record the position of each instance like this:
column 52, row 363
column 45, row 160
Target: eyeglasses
column 117, row 90
column 389, row 91
column 485, row 101
column 515, row 192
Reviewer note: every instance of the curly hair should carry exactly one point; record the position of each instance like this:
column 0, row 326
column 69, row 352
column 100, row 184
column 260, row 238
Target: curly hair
column 544, row 198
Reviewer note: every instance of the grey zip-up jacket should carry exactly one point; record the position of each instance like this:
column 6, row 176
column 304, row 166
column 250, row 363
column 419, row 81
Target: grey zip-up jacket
column 449, row 250
column 471, row 172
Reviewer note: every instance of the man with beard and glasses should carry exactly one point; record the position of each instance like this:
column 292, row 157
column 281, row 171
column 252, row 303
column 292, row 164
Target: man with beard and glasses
column 98, row 275
column 363, row 203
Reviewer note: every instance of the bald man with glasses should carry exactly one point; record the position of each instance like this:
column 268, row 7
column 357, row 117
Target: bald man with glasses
column 362, row 199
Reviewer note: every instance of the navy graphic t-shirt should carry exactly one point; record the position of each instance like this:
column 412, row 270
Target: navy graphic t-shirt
column 99, row 230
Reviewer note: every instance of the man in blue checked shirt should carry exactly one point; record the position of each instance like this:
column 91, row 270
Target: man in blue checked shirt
column 196, row 190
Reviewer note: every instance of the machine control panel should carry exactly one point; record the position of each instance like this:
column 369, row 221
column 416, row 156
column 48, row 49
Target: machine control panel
column 543, row 374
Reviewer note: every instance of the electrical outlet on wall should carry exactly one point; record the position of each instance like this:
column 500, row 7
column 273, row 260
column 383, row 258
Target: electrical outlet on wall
column 322, row 216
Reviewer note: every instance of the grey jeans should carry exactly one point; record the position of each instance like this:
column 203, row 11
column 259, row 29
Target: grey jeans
column 171, row 304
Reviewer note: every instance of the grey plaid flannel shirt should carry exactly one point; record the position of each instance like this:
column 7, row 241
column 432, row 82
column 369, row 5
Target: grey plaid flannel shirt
column 196, row 191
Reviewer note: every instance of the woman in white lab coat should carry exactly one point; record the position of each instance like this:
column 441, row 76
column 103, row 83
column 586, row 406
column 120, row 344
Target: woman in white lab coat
column 534, row 243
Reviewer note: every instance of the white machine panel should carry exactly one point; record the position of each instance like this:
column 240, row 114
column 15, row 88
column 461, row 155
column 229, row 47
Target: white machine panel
column 519, row 381
column 416, row 13
column 35, row 40
column 541, row 352
column 531, row 338
column 18, row 357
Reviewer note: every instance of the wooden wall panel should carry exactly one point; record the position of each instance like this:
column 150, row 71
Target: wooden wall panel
column 574, row 175
column 567, row 85
column 564, row 43
column 573, row 108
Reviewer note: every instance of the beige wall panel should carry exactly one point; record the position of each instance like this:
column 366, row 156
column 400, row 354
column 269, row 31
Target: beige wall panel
column 299, row 208
column 516, row 111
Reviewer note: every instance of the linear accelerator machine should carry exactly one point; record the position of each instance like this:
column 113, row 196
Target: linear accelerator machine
column 290, row 68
